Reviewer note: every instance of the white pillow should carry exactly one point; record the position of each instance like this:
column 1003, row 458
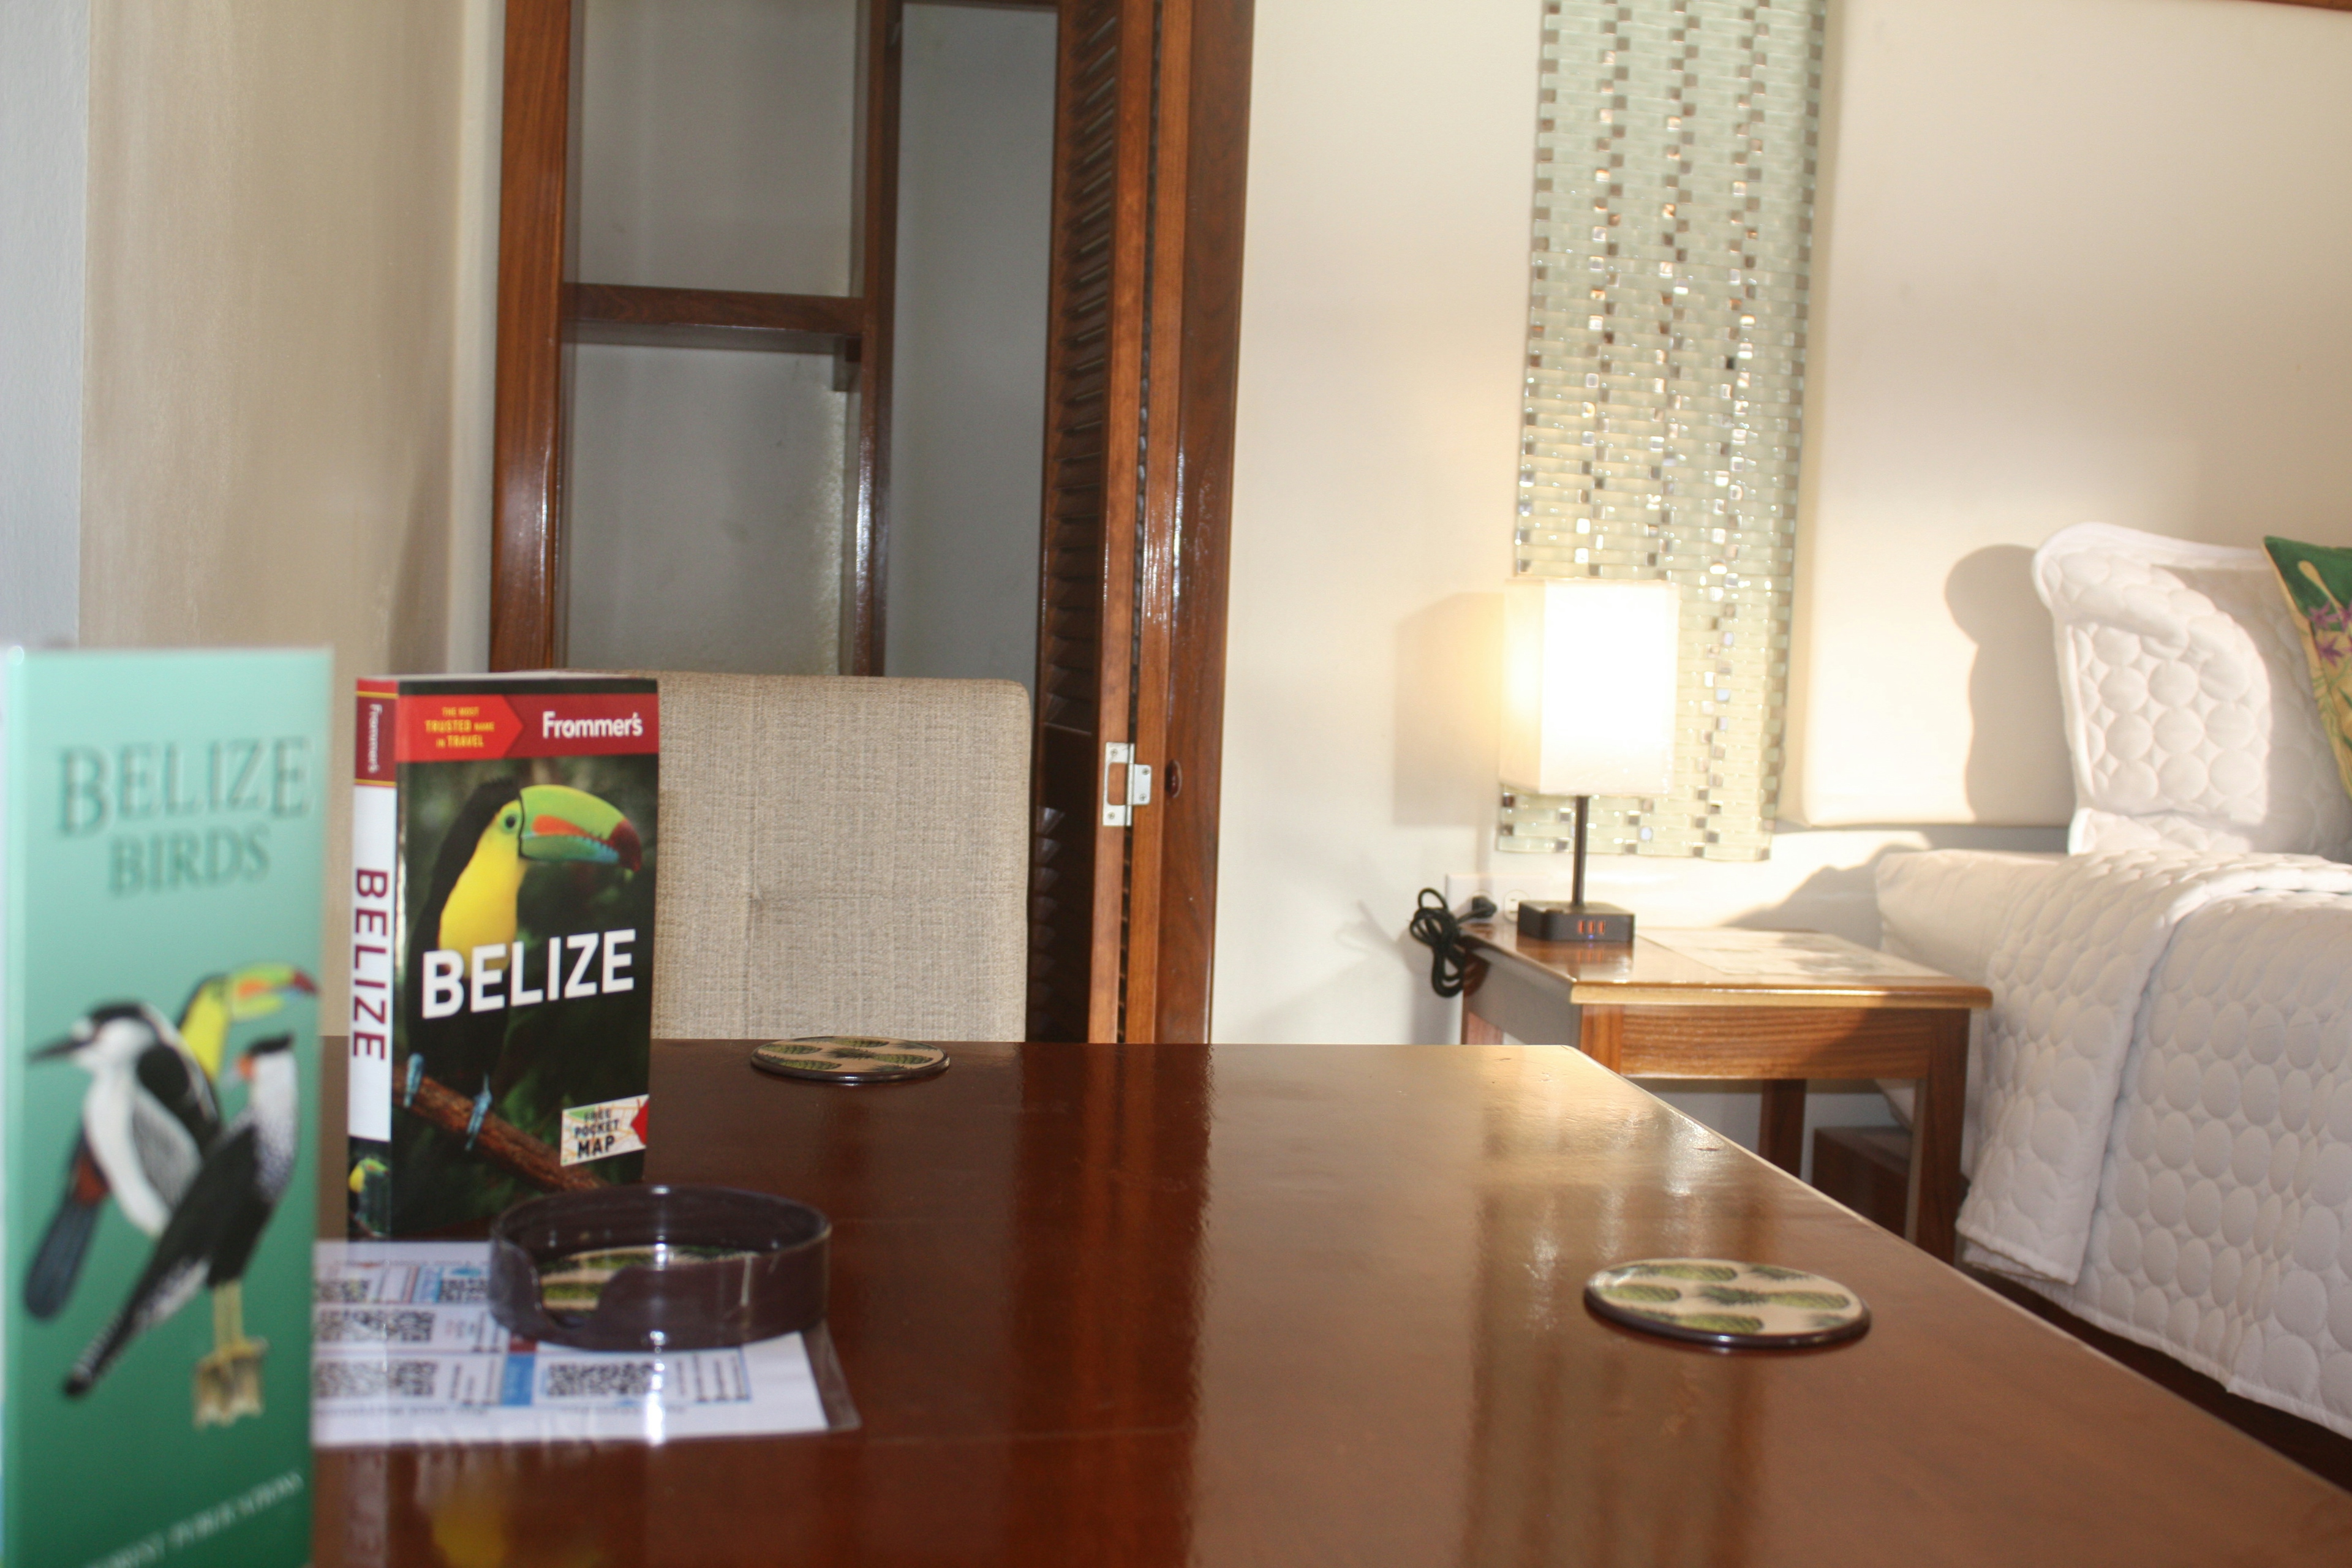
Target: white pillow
column 2189, row 717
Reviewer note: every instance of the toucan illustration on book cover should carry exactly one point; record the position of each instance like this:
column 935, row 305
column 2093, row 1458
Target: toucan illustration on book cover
column 503, row 848
column 164, row 852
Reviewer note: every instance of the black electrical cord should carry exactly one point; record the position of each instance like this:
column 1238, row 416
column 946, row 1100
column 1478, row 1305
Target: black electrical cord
column 1436, row 928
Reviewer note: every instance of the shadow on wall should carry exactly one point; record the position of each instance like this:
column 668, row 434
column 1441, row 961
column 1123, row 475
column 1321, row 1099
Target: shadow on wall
column 1819, row 879
column 1842, row 899
column 1449, row 679
column 2017, row 735
column 1358, row 1002
column 421, row 591
column 1433, row 1016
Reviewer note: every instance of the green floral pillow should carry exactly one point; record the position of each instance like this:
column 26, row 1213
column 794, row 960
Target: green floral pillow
column 2317, row 579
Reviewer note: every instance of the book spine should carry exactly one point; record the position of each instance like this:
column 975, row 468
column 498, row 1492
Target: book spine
column 14, row 1048
column 375, row 951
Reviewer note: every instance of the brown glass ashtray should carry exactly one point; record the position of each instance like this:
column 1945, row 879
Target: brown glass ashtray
column 659, row 1268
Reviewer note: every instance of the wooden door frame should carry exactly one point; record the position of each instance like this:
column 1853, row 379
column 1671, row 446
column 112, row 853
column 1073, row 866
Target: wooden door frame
column 1173, row 1004
column 1158, row 333
column 536, row 218
column 1200, row 170
column 873, row 224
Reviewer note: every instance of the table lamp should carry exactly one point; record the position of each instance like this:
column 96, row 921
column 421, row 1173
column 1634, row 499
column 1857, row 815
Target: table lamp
column 1587, row 709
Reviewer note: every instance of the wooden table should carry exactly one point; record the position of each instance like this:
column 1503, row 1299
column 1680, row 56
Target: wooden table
column 1308, row 1305
column 1649, row 1011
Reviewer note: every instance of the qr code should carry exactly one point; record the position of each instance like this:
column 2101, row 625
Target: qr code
column 370, row 1379
column 600, row 1379
column 375, row 1325
column 334, row 1290
column 460, row 1289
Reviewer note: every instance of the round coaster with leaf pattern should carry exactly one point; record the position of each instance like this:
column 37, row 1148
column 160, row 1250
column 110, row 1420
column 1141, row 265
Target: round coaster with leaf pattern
column 849, row 1059
column 1717, row 1301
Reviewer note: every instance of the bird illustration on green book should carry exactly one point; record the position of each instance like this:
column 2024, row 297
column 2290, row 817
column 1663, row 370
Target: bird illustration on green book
column 502, row 830
column 220, row 1002
column 210, row 1238
column 150, row 1113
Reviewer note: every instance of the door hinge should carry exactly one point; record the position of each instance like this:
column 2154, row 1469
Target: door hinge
column 1126, row 783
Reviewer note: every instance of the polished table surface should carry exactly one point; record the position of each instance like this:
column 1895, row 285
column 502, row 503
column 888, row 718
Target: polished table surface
column 1321, row 1305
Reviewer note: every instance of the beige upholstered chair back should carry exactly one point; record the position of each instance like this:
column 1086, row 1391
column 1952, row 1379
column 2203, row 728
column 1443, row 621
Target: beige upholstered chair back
column 842, row 856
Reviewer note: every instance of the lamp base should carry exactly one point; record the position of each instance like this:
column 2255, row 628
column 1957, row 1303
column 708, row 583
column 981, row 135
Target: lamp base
column 1550, row 920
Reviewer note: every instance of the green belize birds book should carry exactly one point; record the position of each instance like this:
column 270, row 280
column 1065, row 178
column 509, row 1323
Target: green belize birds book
column 162, row 858
column 502, row 918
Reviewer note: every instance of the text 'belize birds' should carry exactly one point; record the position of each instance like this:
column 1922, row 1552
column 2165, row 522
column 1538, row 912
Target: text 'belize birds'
column 164, row 853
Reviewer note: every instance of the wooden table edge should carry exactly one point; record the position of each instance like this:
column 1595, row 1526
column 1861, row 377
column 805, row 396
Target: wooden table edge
column 1607, row 993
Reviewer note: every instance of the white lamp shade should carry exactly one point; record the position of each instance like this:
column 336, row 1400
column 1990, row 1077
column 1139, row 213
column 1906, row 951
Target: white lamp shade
column 1589, row 685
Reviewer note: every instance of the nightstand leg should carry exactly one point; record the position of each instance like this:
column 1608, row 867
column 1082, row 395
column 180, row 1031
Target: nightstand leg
column 1478, row 1030
column 1781, row 1136
column 1601, row 1035
column 1933, row 1205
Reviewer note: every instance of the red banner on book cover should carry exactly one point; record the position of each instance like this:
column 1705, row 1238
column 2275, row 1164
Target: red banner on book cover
column 373, row 739
column 461, row 726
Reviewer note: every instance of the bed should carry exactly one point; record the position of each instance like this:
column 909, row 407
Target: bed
column 2159, row 1125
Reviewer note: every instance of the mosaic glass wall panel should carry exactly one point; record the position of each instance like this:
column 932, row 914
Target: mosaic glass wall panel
column 1665, row 373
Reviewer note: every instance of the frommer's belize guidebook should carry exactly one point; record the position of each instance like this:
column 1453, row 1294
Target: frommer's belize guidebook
column 503, row 834
column 163, row 861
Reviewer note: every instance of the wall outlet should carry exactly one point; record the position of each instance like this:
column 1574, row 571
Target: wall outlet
column 1506, row 888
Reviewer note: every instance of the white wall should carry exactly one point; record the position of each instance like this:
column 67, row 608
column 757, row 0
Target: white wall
column 1384, row 300
column 975, row 198
column 2009, row 237
column 43, row 158
column 473, row 331
column 2074, row 260
column 276, row 273
column 271, row 296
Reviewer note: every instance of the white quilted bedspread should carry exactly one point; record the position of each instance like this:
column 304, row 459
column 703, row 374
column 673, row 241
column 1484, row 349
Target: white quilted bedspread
column 2161, row 1119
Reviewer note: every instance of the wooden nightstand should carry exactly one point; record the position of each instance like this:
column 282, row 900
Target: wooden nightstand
column 1775, row 1006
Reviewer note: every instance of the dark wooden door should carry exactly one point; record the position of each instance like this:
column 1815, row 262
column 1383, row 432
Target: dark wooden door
column 1094, row 372
column 1149, row 144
